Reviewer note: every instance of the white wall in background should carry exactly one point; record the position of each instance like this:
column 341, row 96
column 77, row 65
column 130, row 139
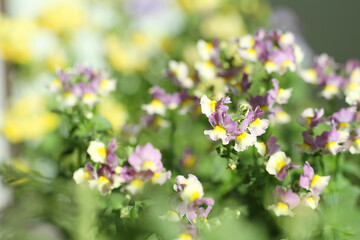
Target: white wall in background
column 5, row 193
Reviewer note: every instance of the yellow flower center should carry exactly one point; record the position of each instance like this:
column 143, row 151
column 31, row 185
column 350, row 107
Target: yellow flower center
column 219, row 130
column 104, row 83
column 209, row 47
column 315, row 180
column 157, row 103
column 257, row 122
column 213, row 105
column 103, row 180
column 280, row 164
column 148, row 165
column 194, row 196
column 137, row 183
column 330, row 89
column 184, row 236
column 241, row 136
column 330, row 145
column 102, row 152
column 344, row 125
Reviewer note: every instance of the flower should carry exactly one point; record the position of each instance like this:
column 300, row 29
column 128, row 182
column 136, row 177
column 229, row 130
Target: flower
column 278, row 165
column 191, row 193
column 208, row 106
column 311, row 200
column 224, row 127
column 145, row 165
column 352, row 88
column 285, row 202
column 312, row 182
column 190, row 188
column 355, row 147
column 251, row 127
column 207, row 50
column 97, row 151
column 329, row 141
column 146, row 158
column 308, row 146
column 179, row 73
column 81, row 175
column 332, row 85
column 81, row 84
column 268, row 148
column 310, row 118
column 161, row 101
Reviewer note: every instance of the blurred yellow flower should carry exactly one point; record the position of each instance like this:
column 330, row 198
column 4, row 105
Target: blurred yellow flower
column 57, row 59
column 16, row 39
column 63, row 17
column 191, row 54
column 199, row 5
column 28, row 119
column 223, row 26
column 113, row 111
column 123, row 57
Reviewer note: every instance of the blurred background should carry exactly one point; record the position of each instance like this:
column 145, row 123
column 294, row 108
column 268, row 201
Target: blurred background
column 133, row 40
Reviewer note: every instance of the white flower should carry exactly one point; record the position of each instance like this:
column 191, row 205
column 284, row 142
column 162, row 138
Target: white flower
column 97, row 151
column 206, row 69
column 309, row 76
column 81, row 176
column 155, row 107
column 243, row 141
column 181, row 72
column 247, row 41
column 207, row 106
column 276, row 162
column 106, row 86
column 206, row 50
column 89, row 99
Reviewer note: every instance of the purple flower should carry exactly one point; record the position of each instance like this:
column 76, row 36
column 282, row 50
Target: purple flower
column 329, row 140
column 308, row 146
column 146, row 158
column 312, row 182
column 278, row 165
column 224, row 127
column 344, row 117
column 310, row 118
column 111, row 157
column 285, row 202
column 251, row 127
column 194, row 211
column 268, row 148
column 208, row 106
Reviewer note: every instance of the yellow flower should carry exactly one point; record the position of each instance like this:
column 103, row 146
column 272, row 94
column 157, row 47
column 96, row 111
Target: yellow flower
column 115, row 112
column 63, row 17
column 16, row 37
column 199, row 5
column 28, row 119
column 56, row 59
column 123, row 57
column 223, row 26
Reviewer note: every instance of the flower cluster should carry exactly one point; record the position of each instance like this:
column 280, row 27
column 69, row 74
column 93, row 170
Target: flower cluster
column 145, row 164
column 272, row 102
column 334, row 78
column 190, row 202
column 277, row 51
column 342, row 136
column 225, row 128
column 287, row 200
column 105, row 175
column 81, row 85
